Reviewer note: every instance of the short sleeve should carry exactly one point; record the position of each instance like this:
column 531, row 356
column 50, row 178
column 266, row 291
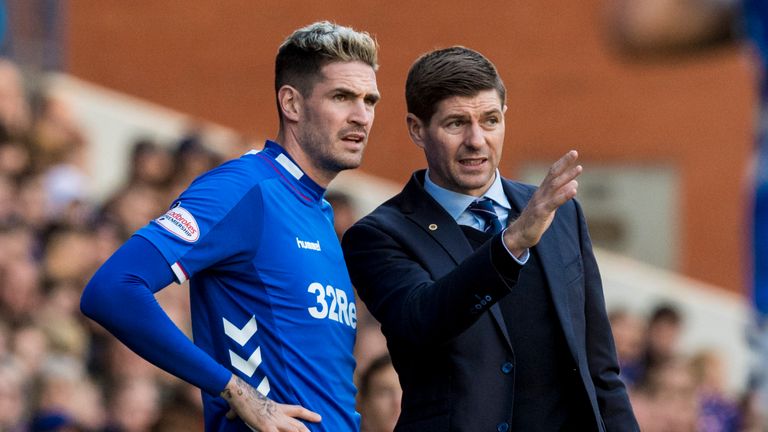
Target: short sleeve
column 217, row 219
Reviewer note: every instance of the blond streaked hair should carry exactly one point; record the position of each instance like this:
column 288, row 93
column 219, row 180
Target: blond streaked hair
column 302, row 55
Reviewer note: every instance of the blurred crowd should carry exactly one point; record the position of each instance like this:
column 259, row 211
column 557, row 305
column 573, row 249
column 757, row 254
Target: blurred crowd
column 58, row 371
column 673, row 392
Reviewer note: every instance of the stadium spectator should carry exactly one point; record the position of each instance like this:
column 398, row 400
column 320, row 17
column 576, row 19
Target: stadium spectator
column 662, row 337
column 380, row 396
column 629, row 335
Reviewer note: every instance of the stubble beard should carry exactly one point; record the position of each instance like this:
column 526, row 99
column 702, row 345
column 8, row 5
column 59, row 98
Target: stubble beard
column 461, row 182
column 320, row 150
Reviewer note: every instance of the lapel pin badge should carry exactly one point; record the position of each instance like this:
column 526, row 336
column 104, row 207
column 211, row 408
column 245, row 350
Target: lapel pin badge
column 432, row 227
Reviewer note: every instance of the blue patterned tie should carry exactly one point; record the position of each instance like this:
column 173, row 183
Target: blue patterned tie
column 483, row 209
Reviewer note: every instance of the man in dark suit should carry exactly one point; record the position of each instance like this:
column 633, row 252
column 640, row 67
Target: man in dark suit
column 487, row 289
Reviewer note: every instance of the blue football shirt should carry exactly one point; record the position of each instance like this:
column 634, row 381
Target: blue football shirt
column 270, row 295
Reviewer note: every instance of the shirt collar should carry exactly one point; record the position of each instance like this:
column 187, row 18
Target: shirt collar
column 456, row 203
column 292, row 169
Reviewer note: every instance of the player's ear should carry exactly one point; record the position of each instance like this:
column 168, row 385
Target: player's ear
column 416, row 129
column 289, row 100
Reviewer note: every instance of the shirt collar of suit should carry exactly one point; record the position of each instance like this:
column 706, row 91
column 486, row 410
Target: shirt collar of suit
column 456, row 203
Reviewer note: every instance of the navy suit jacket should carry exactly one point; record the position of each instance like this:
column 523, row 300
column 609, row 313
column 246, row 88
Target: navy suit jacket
column 436, row 300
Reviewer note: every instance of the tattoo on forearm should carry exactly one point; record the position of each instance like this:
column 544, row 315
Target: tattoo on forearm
column 265, row 405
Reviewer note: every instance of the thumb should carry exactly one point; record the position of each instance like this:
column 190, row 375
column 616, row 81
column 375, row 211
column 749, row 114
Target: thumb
column 231, row 415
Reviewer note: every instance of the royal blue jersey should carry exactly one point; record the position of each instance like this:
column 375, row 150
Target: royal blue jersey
column 270, row 295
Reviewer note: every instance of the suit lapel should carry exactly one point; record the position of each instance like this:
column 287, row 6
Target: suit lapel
column 551, row 259
column 424, row 211
column 419, row 206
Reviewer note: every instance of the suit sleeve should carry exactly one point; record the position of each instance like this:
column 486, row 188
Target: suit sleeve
column 611, row 393
column 403, row 296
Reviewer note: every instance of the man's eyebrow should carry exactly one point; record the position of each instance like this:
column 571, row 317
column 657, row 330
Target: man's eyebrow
column 455, row 116
column 373, row 97
column 494, row 110
column 344, row 90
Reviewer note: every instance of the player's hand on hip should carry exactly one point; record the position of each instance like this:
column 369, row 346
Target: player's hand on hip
column 262, row 414
column 556, row 189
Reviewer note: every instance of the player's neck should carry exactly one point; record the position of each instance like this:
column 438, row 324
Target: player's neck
column 291, row 145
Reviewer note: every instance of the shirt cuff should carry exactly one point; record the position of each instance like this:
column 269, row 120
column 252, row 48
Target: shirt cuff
column 523, row 259
column 503, row 261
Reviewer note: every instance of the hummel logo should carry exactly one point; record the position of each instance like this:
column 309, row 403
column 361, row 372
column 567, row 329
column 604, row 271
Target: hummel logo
column 315, row 246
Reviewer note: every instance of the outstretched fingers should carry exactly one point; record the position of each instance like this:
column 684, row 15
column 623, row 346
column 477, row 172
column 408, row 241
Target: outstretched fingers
column 556, row 189
column 566, row 161
column 560, row 184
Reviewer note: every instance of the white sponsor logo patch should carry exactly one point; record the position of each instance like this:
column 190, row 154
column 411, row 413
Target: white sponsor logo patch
column 181, row 223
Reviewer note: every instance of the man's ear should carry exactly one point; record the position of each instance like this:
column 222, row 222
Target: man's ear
column 416, row 129
column 289, row 100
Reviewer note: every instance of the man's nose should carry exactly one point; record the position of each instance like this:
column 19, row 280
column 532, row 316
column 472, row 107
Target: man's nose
column 362, row 113
column 475, row 135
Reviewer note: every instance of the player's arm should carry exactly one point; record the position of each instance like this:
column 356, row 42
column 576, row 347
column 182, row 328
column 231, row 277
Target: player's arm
column 388, row 272
column 120, row 297
column 385, row 267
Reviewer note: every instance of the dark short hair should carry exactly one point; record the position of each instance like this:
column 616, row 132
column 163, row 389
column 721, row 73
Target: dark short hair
column 448, row 72
column 302, row 55
column 666, row 312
